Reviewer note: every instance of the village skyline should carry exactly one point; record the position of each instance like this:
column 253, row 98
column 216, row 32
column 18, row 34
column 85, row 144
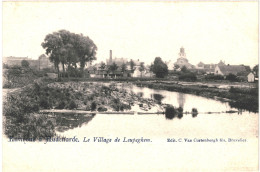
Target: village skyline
column 209, row 32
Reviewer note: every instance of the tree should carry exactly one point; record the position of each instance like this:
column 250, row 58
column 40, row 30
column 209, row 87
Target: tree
column 52, row 44
column 132, row 64
column 102, row 66
column 25, row 64
column 176, row 66
column 255, row 69
column 184, row 69
column 123, row 67
column 159, row 68
column 141, row 68
column 69, row 49
column 113, row 67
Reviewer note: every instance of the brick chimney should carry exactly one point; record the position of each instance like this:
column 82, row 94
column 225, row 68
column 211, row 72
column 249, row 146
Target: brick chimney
column 110, row 57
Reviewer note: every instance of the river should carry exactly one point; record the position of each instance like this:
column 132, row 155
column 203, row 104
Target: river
column 212, row 119
column 156, row 155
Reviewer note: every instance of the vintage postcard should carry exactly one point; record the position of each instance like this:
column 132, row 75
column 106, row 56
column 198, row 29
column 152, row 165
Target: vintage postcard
column 130, row 86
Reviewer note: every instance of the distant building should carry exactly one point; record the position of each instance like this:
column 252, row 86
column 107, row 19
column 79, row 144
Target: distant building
column 182, row 60
column 251, row 77
column 227, row 69
column 170, row 65
column 42, row 62
column 208, row 68
column 14, row 61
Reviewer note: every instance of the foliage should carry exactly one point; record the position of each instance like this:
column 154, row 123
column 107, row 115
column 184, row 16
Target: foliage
column 214, row 77
column 141, row 68
column 22, row 122
column 68, row 49
column 231, row 77
column 176, row 66
column 184, row 69
column 72, row 105
column 159, row 68
column 188, row 77
column 93, row 106
column 102, row 66
column 123, row 67
column 255, row 69
column 113, row 67
column 132, row 64
column 15, row 77
column 25, row 64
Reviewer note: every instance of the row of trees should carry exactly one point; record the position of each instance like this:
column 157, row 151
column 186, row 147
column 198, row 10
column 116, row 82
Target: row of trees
column 69, row 49
column 123, row 68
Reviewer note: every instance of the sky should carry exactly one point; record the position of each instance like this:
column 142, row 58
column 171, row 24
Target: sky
column 209, row 31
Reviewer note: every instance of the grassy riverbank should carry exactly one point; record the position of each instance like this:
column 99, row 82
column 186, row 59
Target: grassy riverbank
column 241, row 98
column 21, row 109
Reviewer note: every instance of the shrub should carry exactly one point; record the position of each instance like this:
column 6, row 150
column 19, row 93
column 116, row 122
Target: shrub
column 231, row 77
column 61, row 105
column 44, row 103
column 33, row 127
column 188, row 77
column 214, row 77
column 93, row 106
column 72, row 105
column 102, row 109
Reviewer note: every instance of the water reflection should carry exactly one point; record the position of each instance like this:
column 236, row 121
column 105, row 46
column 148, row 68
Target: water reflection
column 158, row 98
column 194, row 115
column 172, row 112
column 67, row 121
column 181, row 99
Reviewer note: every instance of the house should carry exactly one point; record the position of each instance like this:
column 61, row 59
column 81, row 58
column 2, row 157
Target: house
column 251, row 77
column 137, row 73
column 227, row 69
column 207, row 68
column 148, row 74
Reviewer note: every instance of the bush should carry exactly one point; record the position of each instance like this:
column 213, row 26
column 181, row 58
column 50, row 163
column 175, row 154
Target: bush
column 188, row 77
column 93, row 106
column 61, row 105
column 102, row 109
column 214, row 77
column 231, row 77
column 33, row 127
column 72, row 105
column 44, row 103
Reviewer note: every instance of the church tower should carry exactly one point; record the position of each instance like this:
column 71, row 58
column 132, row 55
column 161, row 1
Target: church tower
column 182, row 60
column 182, row 53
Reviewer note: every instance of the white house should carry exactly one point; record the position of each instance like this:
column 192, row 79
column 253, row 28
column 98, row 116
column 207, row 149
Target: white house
column 137, row 73
column 250, row 77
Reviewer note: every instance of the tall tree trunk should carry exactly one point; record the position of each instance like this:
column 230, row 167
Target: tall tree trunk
column 58, row 70
column 69, row 70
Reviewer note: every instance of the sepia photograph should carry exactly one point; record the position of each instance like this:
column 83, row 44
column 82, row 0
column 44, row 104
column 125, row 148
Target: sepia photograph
column 130, row 86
